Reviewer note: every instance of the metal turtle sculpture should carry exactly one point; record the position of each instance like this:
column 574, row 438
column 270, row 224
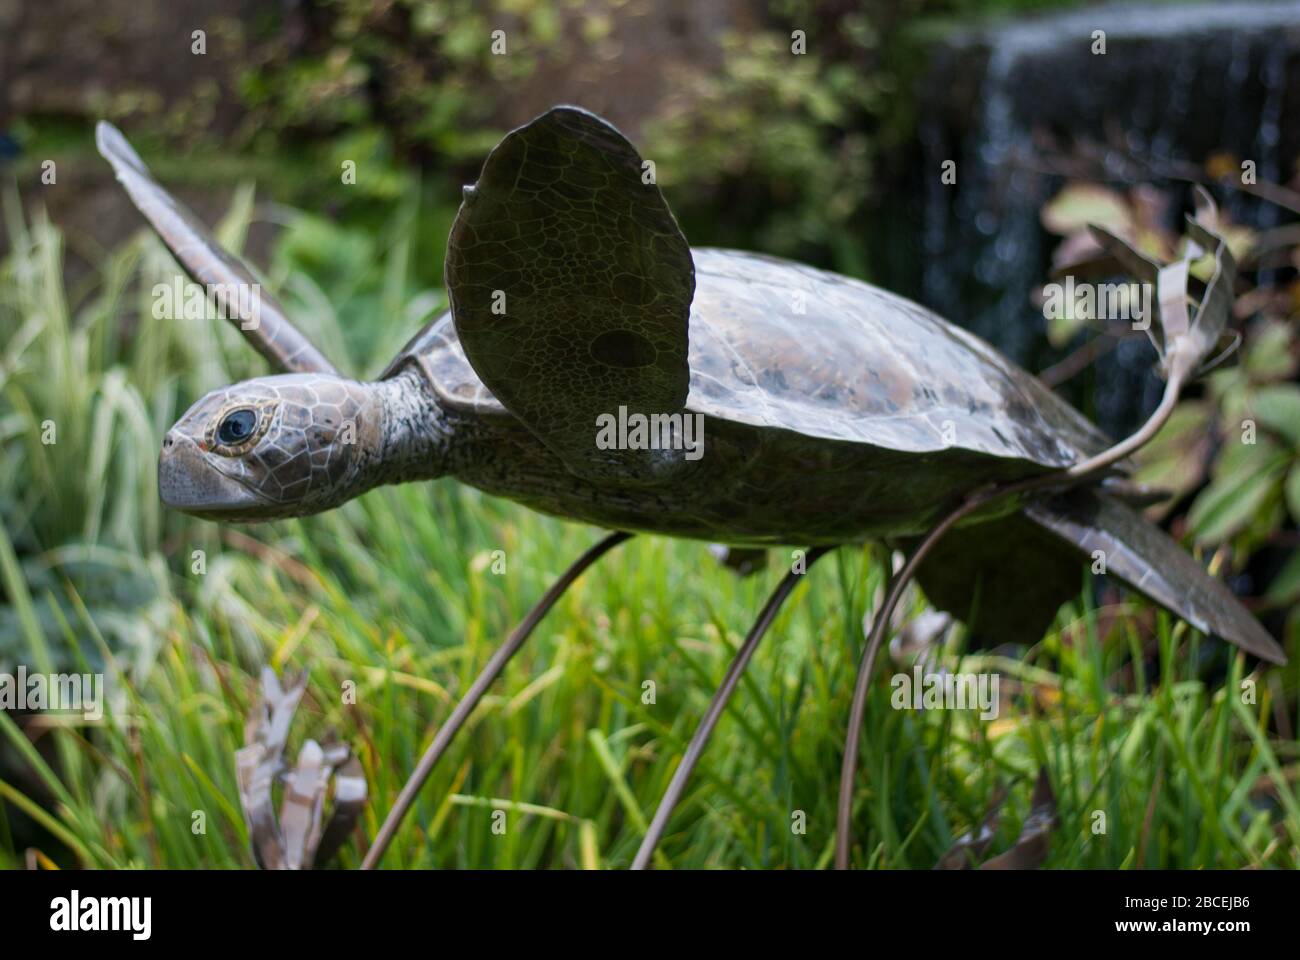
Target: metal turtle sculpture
column 593, row 366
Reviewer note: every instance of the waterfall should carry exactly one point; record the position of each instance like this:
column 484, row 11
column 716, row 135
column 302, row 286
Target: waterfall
column 1175, row 83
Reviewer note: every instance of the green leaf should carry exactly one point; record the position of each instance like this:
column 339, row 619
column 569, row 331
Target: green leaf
column 1277, row 407
column 1269, row 356
column 1079, row 204
column 1177, row 456
column 1234, row 394
column 1246, row 477
column 1293, row 493
column 1286, row 585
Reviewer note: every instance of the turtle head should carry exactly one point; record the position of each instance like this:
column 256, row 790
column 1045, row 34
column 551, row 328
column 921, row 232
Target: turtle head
column 281, row 446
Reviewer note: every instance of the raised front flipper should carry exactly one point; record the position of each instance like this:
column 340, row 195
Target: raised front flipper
column 571, row 287
column 1144, row 557
column 260, row 319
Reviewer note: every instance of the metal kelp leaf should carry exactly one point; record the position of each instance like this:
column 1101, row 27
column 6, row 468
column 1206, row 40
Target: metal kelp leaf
column 1149, row 273
column 970, row 847
column 259, row 762
column 1184, row 342
column 1031, row 848
column 349, row 801
column 297, row 841
column 304, row 798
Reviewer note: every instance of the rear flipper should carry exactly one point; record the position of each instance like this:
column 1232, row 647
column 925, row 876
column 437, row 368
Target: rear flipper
column 1144, row 557
column 1007, row 578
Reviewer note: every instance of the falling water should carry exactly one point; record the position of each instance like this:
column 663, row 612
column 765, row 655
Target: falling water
column 1175, row 84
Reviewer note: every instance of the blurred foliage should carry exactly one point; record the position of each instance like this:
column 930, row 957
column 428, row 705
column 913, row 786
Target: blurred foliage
column 798, row 151
column 776, row 139
column 89, row 382
column 778, row 142
column 418, row 71
column 792, row 147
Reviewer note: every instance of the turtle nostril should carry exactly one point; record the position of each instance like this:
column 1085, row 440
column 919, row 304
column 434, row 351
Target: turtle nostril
column 167, row 441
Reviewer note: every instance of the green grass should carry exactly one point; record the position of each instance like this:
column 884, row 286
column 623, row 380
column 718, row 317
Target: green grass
column 396, row 593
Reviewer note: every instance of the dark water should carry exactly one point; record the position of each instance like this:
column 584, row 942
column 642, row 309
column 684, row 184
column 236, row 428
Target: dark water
column 1176, row 83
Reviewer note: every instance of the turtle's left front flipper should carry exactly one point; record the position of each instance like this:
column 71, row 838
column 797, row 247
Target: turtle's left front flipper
column 1144, row 557
column 260, row 319
column 571, row 289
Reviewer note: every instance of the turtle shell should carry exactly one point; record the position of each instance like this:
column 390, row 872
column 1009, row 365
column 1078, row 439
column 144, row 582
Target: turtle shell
column 784, row 347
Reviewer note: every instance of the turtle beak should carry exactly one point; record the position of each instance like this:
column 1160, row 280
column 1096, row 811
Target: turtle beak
column 188, row 481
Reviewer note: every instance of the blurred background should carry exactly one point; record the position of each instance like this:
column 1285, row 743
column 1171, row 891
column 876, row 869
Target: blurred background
column 828, row 157
column 816, row 131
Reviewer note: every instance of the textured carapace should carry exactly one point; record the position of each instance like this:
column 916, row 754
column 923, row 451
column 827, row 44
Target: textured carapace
column 304, row 448
column 817, row 356
column 781, row 345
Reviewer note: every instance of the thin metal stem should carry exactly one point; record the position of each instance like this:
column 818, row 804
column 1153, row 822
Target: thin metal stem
column 1071, row 476
column 719, row 703
column 475, row 693
column 1112, row 456
column 849, row 765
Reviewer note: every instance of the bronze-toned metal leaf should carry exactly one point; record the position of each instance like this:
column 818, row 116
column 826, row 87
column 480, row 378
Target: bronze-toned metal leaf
column 296, row 841
column 1216, row 305
column 349, row 800
column 971, row 846
column 258, row 764
column 1031, row 849
column 1184, row 342
column 300, row 811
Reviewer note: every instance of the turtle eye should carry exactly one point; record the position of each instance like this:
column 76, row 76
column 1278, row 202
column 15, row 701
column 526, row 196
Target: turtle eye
column 237, row 426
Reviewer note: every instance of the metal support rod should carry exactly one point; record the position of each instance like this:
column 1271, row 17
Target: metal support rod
column 719, row 703
column 475, row 693
column 849, row 765
column 1068, row 477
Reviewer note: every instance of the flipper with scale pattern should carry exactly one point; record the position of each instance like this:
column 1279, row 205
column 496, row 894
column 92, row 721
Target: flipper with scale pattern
column 269, row 329
column 571, row 286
